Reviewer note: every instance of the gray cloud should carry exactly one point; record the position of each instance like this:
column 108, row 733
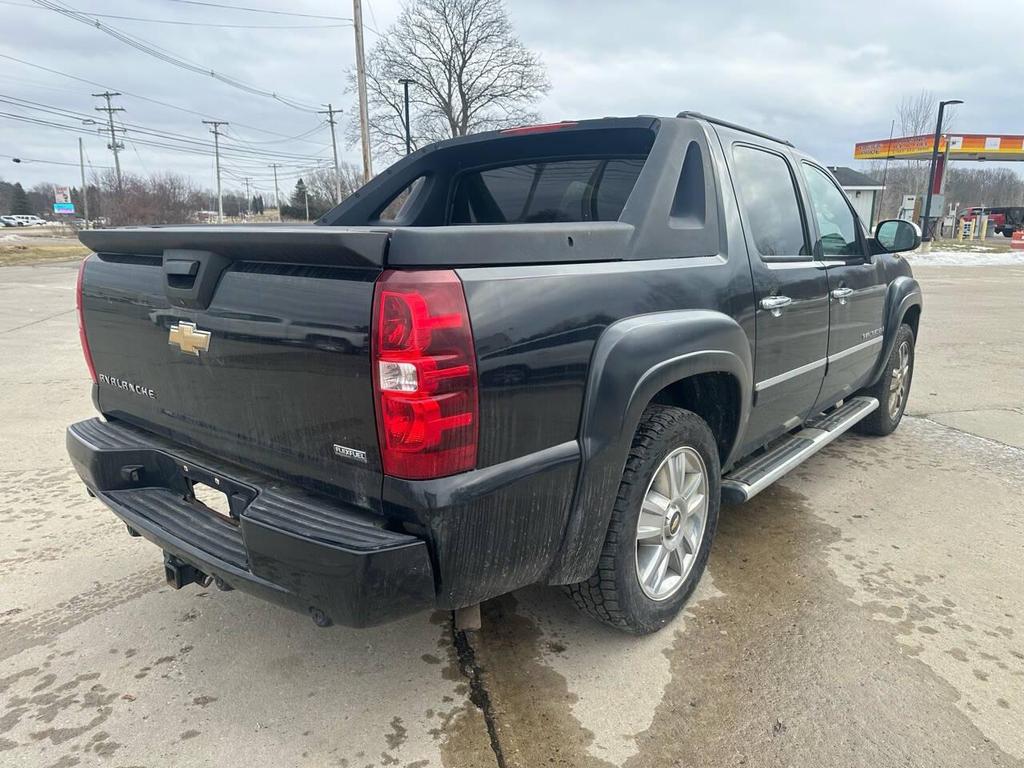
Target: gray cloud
column 824, row 74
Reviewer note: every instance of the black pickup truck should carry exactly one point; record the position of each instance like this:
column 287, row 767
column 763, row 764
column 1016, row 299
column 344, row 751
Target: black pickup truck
column 540, row 355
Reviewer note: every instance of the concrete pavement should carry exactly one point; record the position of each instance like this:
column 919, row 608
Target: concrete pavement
column 868, row 610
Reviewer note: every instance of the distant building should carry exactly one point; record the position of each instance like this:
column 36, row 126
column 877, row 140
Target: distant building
column 862, row 190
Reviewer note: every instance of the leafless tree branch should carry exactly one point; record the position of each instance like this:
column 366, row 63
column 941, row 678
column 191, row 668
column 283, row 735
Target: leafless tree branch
column 471, row 74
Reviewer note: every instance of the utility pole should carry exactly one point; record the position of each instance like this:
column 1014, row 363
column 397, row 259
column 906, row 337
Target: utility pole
column 114, row 146
column 277, row 195
column 928, row 230
column 215, row 130
column 247, row 179
column 331, row 112
column 364, row 117
column 85, row 190
column 406, row 82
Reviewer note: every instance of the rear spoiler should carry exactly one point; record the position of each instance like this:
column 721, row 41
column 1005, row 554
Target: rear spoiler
column 306, row 244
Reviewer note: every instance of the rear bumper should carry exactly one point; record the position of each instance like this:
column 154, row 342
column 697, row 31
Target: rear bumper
column 283, row 545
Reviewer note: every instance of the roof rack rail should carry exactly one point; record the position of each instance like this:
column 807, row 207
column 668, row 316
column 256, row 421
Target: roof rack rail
column 734, row 126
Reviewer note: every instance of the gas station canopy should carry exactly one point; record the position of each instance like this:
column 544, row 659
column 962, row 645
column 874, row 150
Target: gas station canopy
column 962, row 146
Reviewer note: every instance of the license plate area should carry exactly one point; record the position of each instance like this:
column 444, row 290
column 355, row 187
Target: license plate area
column 216, row 494
column 214, row 500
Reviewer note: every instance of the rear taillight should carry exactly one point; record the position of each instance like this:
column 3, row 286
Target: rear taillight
column 81, row 323
column 424, row 375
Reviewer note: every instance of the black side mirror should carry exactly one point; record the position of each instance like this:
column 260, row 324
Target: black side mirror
column 896, row 236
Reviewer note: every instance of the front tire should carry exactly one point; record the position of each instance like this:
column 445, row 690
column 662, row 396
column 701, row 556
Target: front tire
column 662, row 524
column 893, row 388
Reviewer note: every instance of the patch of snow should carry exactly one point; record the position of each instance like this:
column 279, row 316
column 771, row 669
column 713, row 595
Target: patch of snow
column 967, row 258
column 11, row 238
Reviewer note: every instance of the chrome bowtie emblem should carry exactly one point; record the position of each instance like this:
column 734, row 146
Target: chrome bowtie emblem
column 188, row 338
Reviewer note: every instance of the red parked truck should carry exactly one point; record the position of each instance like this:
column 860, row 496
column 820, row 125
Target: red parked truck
column 1004, row 220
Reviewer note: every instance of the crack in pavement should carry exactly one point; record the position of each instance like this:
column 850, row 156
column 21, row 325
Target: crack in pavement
column 478, row 693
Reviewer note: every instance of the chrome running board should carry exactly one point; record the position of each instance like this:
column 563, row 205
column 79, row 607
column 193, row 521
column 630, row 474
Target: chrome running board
column 758, row 472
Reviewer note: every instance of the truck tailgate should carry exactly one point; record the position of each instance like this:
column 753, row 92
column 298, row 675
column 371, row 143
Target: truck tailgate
column 282, row 382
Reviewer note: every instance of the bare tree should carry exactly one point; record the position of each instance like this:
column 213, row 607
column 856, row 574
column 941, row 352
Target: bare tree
column 162, row 198
column 984, row 186
column 320, row 183
column 471, row 74
column 915, row 116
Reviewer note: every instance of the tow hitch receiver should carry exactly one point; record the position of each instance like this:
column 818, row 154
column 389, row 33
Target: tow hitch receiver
column 180, row 574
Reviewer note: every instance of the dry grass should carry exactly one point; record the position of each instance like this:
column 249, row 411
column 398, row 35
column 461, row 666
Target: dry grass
column 29, row 253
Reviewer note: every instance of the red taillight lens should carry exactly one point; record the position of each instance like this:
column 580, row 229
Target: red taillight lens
column 81, row 323
column 424, row 375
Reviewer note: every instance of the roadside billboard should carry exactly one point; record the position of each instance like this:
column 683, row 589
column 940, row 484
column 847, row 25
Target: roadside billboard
column 62, row 200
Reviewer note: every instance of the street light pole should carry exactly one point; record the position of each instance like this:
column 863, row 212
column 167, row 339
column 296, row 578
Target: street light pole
column 406, row 82
column 928, row 230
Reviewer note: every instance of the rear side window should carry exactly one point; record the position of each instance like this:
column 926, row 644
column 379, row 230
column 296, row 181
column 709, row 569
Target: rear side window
column 768, row 196
column 401, row 202
column 558, row 190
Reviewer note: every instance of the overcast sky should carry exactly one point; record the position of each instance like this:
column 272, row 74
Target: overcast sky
column 824, row 74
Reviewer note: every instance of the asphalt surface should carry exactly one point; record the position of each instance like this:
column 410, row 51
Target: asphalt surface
column 866, row 611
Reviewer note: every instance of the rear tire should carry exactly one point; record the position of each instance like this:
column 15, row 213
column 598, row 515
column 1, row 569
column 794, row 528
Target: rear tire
column 893, row 388
column 662, row 525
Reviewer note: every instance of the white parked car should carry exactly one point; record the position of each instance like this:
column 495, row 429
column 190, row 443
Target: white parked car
column 10, row 221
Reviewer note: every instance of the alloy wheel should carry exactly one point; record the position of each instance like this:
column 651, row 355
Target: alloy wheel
column 899, row 381
column 672, row 521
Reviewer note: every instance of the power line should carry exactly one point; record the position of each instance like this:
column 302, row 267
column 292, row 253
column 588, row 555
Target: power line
column 155, row 133
column 152, row 49
column 77, row 129
column 191, row 23
column 299, row 137
column 133, row 95
column 155, row 139
column 50, row 162
column 260, row 10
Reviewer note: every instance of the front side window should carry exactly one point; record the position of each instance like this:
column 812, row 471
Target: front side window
column 558, row 190
column 837, row 226
column 768, row 196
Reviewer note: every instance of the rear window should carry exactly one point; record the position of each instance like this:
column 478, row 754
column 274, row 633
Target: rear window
column 549, row 191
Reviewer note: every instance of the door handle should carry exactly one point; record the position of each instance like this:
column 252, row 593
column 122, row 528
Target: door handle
column 841, row 294
column 774, row 304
